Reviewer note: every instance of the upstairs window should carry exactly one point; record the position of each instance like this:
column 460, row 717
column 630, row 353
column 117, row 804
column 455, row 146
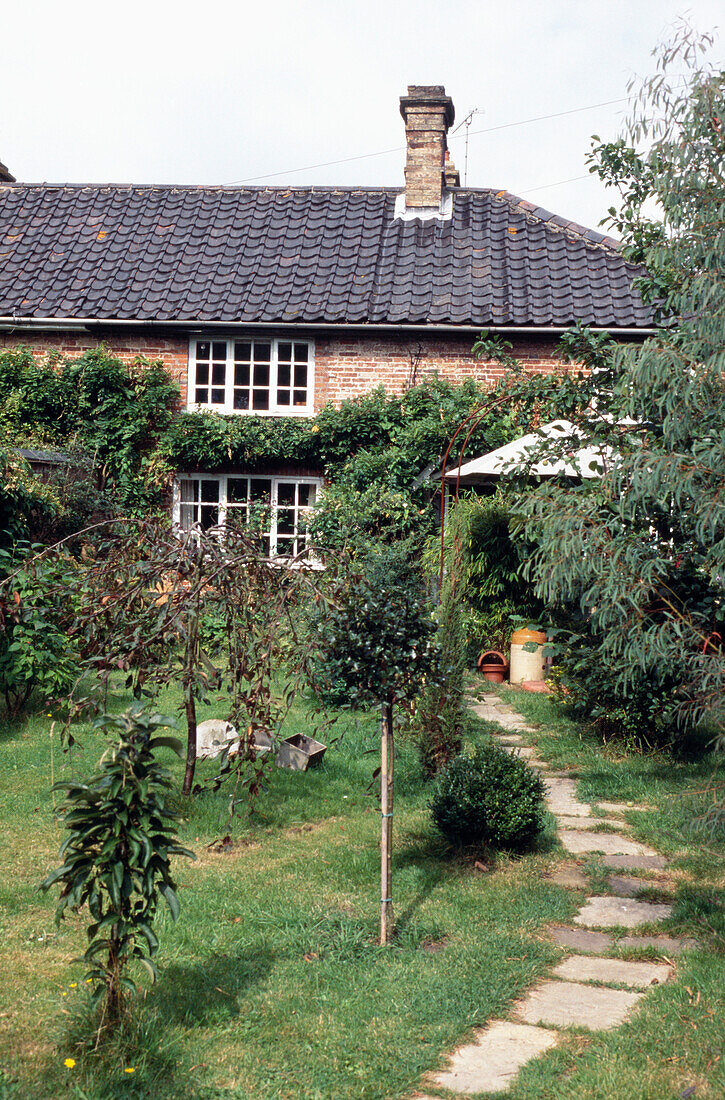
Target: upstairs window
column 277, row 507
column 252, row 376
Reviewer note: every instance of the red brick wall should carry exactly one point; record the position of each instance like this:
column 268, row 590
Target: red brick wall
column 351, row 365
column 345, row 366
column 173, row 351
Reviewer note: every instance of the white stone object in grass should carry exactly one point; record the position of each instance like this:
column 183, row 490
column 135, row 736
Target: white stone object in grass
column 213, row 736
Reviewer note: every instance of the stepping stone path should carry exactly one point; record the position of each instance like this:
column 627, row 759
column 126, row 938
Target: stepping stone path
column 591, row 988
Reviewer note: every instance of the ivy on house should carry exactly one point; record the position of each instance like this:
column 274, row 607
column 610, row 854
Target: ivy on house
column 126, row 422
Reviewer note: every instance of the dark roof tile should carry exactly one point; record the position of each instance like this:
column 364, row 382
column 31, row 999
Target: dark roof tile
column 264, row 254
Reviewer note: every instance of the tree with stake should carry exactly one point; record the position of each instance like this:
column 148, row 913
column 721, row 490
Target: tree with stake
column 375, row 642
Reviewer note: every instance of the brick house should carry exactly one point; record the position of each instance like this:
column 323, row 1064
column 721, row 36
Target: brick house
column 275, row 300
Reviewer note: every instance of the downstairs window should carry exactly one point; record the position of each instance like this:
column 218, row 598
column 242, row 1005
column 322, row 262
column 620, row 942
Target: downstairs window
column 277, row 507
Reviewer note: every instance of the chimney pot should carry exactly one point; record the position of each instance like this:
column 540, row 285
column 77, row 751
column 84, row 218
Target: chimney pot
column 5, row 176
column 428, row 114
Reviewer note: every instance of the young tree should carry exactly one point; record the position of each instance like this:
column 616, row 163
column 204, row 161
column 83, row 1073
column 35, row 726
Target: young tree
column 116, row 858
column 375, row 642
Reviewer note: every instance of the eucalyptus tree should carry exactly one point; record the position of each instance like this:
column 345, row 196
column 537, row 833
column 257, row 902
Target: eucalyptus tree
column 640, row 551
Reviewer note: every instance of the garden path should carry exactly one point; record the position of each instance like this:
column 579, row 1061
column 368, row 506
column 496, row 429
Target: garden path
column 590, row 988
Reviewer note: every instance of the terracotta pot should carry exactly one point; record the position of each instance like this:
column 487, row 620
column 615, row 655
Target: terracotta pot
column 493, row 666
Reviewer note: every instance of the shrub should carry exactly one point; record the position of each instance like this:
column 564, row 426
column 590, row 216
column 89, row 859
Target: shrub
column 489, row 796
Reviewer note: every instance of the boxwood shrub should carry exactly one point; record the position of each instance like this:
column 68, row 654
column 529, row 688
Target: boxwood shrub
column 489, row 797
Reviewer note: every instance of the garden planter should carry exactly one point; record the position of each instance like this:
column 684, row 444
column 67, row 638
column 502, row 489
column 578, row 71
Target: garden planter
column 527, row 662
column 298, row 753
column 493, row 666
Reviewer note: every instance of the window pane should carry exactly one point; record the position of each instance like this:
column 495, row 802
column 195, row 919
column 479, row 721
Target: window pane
column 218, row 374
column 188, row 489
column 283, row 374
column 217, row 397
column 241, row 374
column 241, row 399
column 260, row 489
column 285, row 521
column 209, row 516
column 219, row 349
column 202, row 349
column 285, row 547
column 202, row 374
column 307, row 495
column 283, row 397
column 201, row 396
column 210, row 490
column 261, row 374
column 187, row 516
column 260, row 399
column 286, row 492
column 262, row 352
column 300, row 397
column 284, row 353
column 242, row 351
column 237, row 490
column 301, row 353
column 300, row 374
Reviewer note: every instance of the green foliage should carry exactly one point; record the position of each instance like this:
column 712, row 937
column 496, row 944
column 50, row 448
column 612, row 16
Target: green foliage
column 349, row 518
column 489, row 796
column 116, row 858
column 635, row 560
column 374, row 637
column 440, row 713
column 36, row 608
column 115, row 412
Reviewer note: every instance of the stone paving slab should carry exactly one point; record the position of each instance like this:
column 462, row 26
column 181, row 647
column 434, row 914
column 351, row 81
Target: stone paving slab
column 620, row 807
column 565, row 821
column 579, row 841
column 606, row 912
column 619, row 862
column 625, row 886
column 588, row 968
column 668, row 945
column 564, row 1004
column 526, row 752
column 561, row 797
column 581, row 939
column 572, row 877
column 489, row 1064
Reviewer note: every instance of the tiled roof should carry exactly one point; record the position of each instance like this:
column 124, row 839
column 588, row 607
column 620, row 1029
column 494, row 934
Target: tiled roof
column 302, row 255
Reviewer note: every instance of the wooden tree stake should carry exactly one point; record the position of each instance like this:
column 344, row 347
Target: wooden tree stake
column 387, row 762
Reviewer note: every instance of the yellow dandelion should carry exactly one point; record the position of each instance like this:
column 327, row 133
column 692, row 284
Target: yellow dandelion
column 73, row 985
column 64, row 994
column 89, row 981
column 129, row 1069
column 69, row 1063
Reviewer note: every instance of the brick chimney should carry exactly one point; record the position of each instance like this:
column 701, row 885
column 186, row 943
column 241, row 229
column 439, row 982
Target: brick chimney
column 428, row 113
column 5, row 176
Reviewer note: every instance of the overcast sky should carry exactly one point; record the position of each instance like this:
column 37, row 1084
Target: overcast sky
column 211, row 92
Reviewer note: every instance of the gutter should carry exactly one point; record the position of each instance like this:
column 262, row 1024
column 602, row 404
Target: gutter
column 80, row 324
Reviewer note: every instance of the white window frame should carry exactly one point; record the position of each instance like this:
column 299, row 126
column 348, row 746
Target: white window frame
column 299, row 538
column 228, row 406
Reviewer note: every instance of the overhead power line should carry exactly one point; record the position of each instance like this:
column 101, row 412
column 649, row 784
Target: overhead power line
column 401, row 148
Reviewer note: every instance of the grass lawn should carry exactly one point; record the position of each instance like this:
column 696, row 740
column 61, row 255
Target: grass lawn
column 271, row 982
